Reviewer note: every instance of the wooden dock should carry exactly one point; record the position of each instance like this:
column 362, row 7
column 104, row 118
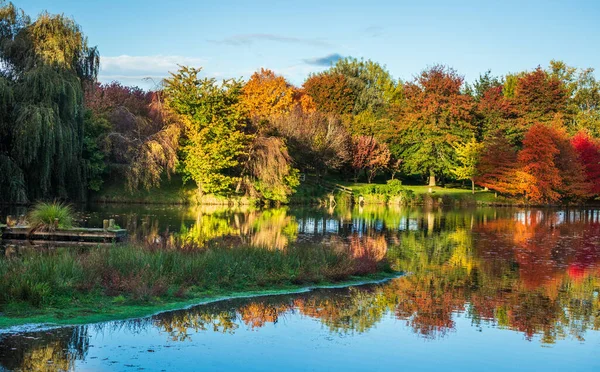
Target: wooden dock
column 87, row 235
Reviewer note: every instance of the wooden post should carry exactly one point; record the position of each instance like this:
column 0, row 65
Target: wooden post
column 10, row 221
column 55, row 223
column 105, row 224
column 111, row 223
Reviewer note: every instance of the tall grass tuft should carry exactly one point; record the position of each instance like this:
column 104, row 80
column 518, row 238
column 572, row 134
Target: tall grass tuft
column 44, row 215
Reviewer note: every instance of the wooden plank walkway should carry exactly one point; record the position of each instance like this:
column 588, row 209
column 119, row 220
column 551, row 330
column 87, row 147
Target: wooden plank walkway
column 67, row 235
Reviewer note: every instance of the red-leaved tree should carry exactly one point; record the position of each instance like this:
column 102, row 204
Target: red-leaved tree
column 550, row 169
column 588, row 151
column 369, row 155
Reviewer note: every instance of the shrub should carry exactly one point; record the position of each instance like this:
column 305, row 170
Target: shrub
column 391, row 190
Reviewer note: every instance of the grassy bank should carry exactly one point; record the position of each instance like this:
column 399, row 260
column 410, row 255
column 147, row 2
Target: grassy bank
column 66, row 286
column 424, row 195
column 173, row 191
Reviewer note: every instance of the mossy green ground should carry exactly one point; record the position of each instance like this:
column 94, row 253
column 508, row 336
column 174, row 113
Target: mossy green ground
column 96, row 308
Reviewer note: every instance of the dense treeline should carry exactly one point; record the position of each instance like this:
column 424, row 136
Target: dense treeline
column 532, row 134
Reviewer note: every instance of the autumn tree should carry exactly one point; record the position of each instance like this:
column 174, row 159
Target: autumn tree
column 550, row 169
column 267, row 94
column 575, row 186
column 317, row 142
column 497, row 166
column 495, row 113
column 213, row 120
column 369, row 155
column 467, row 157
column 435, row 114
column 331, row 93
column 135, row 132
column 539, row 97
column 588, row 151
column 539, row 177
column 524, row 99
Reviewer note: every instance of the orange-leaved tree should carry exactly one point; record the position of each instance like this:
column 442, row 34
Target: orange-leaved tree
column 497, row 166
column 550, row 169
column 539, row 177
column 331, row 93
column 267, row 94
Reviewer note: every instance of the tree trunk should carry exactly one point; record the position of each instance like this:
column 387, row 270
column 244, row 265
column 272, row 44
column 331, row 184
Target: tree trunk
column 431, row 178
column 370, row 175
column 472, row 186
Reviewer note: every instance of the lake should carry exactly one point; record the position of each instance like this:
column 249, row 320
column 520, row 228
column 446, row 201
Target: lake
column 482, row 289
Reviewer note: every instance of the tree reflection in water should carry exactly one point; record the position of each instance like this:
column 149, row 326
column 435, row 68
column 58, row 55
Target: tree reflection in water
column 535, row 272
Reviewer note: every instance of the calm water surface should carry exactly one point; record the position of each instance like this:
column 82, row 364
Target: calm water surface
column 484, row 289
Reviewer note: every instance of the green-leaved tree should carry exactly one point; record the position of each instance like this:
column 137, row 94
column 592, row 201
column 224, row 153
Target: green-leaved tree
column 467, row 157
column 214, row 121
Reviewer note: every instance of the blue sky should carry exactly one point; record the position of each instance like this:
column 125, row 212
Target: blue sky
column 233, row 38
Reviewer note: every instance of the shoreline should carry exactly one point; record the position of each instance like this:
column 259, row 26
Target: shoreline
column 43, row 321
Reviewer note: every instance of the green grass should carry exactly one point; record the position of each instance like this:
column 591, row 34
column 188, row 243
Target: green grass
column 66, row 286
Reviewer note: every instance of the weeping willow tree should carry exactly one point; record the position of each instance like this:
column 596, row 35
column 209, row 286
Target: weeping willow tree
column 268, row 171
column 44, row 66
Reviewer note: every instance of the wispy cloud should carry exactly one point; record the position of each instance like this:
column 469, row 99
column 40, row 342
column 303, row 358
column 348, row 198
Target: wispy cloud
column 147, row 63
column 144, row 71
column 326, row 61
column 373, row 31
column 247, row 39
